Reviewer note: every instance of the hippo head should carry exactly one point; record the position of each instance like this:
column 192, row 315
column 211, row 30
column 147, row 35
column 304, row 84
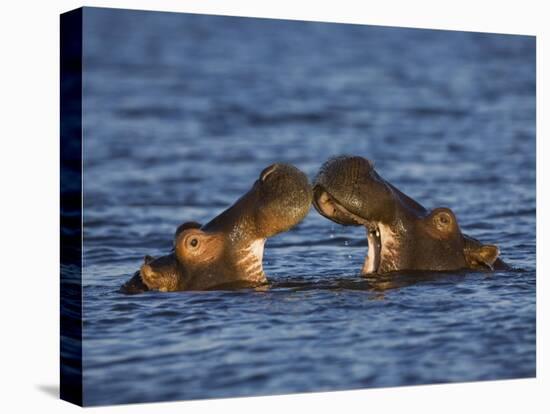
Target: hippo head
column 401, row 234
column 228, row 251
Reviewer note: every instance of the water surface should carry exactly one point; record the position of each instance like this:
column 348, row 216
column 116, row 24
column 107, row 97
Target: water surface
column 182, row 112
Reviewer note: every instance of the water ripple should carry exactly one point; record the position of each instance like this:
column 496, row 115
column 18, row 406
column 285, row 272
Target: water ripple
column 177, row 132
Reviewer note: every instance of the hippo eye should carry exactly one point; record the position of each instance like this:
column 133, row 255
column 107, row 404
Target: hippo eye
column 443, row 220
column 194, row 242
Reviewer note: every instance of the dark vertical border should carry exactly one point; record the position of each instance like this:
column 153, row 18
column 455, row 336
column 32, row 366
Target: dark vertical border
column 71, row 206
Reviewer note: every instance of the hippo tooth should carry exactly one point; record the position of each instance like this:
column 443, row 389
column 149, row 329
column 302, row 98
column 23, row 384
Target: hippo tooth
column 377, row 233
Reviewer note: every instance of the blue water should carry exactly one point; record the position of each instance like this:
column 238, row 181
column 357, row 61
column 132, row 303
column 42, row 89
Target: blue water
column 182, row 112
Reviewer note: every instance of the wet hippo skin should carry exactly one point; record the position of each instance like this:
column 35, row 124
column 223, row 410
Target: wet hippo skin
column 227, row 252
column 401, row 233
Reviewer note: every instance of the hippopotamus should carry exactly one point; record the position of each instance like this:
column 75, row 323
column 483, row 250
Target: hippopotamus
column 227, row 252
column 401, row 233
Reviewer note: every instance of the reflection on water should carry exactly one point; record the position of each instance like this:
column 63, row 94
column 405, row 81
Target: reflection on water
column 181, row 113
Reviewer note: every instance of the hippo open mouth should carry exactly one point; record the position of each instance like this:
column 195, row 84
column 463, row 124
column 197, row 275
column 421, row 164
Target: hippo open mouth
column 329, row 207
column 401, row 233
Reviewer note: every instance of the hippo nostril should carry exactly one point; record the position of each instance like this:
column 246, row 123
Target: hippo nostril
column 268, row 171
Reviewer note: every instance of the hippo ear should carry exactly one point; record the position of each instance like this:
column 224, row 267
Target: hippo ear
column 486, row 255
column 148, row 259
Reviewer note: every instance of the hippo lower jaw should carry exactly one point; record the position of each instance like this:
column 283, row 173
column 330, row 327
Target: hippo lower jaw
column 374, row 240
column 250, row 264
column 383, row 249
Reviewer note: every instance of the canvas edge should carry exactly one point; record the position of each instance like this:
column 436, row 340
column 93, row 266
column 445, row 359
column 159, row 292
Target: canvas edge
column 70, row 41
